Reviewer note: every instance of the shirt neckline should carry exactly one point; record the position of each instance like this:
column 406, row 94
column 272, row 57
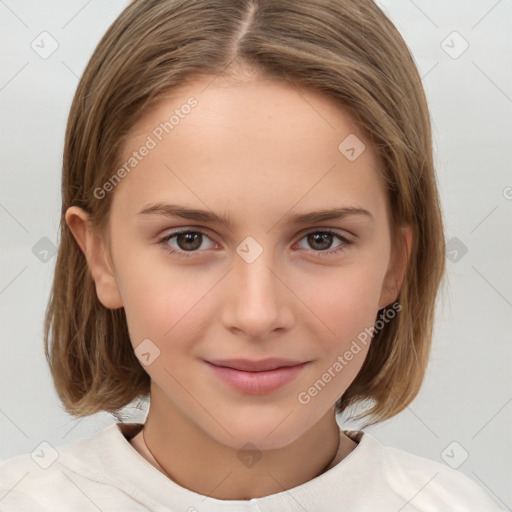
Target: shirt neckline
column 139, row 477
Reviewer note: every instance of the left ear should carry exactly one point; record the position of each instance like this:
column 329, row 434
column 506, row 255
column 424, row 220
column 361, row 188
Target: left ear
column 397, row 268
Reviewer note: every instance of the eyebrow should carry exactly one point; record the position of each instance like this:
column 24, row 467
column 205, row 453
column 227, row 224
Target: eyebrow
column 179, row 211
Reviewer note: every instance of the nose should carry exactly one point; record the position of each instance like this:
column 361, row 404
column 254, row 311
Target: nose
column 258, row 301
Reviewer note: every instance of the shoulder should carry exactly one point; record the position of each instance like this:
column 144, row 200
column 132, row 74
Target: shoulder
column 428, row 485
column 50, row 478
column 24, row 483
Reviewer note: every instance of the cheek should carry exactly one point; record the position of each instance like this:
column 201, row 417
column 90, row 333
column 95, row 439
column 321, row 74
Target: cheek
column 165, row 304
column 344, row 313
column 343, row 301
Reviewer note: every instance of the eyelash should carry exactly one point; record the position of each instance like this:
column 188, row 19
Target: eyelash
column 183, row 254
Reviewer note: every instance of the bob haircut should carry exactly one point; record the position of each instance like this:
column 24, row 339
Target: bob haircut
column 349, row 51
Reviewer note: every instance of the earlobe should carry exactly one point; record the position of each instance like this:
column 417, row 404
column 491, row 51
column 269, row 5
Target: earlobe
column 96, row 254
column 397, row 269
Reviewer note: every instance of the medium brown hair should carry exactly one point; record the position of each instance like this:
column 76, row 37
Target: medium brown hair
column 347, row 50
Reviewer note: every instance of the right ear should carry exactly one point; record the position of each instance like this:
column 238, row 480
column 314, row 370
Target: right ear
column 96, row 253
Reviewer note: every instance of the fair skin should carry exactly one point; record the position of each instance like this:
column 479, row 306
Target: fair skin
column 259, row 152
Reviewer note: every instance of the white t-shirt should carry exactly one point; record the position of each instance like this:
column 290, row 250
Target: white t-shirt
column 105, row 473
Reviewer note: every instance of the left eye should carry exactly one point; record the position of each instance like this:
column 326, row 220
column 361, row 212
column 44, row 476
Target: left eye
column 186, row 243
column 323, row 240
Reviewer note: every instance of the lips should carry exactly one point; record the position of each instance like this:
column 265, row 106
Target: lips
column 258, row 377
column 262, row 365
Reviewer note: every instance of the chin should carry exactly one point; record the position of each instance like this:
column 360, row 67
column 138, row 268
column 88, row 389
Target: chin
column 265, row 431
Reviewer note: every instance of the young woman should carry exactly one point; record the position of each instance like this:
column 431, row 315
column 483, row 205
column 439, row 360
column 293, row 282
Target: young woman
column 251, row 238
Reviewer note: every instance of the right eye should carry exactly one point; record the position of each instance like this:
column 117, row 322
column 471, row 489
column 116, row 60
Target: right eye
column 186, row 243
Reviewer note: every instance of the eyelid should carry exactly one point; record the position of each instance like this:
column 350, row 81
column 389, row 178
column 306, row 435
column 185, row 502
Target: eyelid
column 301, row 234
column 324, row 229
column 177, row 231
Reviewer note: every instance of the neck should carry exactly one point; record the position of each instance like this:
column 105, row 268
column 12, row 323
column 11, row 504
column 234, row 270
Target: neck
column 199, row 462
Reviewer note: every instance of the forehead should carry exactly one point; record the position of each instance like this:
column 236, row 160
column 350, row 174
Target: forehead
column 258, row 143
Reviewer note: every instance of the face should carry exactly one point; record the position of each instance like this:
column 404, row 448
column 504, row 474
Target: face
column 261, row 283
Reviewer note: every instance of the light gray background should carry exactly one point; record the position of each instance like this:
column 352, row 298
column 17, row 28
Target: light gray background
column 467, row 395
